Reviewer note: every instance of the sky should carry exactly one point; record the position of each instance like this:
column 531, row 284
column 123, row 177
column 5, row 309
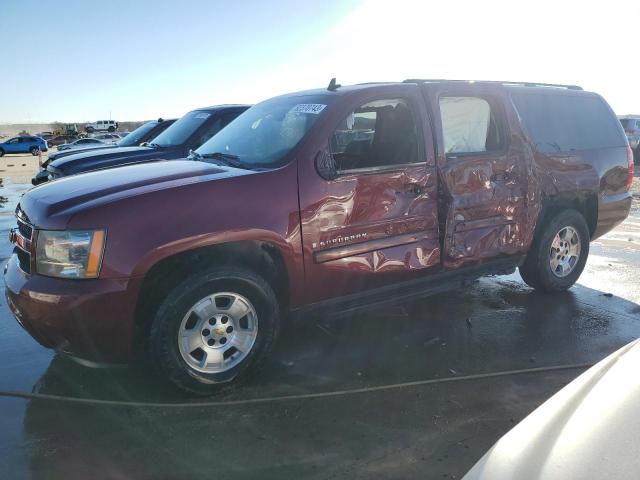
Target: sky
column 142, row 59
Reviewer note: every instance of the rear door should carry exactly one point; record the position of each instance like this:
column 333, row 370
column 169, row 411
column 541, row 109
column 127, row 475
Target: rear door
column 375, row 223
column 485, row 179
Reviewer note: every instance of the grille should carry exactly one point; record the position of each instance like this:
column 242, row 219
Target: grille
column 25, row 229
column 24, row 260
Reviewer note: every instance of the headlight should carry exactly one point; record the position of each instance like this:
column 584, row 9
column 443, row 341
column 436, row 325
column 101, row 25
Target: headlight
column 70, row 253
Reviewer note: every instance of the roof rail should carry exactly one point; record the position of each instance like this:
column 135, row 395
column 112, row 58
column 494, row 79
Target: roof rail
column 499, row 82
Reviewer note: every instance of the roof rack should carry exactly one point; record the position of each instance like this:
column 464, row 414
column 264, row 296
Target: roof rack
column 499, row 82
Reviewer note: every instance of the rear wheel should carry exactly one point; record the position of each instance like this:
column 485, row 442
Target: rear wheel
column 558, row 254
column 111, row 129
column 89, row 129
column 214, row 329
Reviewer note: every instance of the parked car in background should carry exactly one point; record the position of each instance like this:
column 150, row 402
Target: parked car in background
column 81, row 143
column 23, row 144
column 187, row 133
column 587, row 431
column 145, row 133
column 61, row 139
column 277, row 215
column 101, row 126
column 631, row 125
column 110, row 138
column 45, row 136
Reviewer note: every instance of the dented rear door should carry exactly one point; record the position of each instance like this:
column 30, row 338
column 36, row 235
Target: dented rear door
column 489, row 198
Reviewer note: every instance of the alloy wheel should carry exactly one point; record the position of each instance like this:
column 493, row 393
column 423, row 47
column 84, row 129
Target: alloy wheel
column 564, row 252
column 218, row 332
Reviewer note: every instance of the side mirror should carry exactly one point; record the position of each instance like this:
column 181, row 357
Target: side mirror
column 326, row 165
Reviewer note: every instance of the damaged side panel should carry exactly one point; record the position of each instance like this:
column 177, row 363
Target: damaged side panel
column 490, row 198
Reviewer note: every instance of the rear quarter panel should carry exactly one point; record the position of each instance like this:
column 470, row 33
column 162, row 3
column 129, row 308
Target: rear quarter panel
column 599, row 173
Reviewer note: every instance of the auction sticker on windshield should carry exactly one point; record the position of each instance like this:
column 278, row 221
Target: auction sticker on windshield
column 314, row 108
column 202, row 115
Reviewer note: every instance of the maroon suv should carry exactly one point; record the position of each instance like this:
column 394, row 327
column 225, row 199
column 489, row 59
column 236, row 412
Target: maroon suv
column 326, row 200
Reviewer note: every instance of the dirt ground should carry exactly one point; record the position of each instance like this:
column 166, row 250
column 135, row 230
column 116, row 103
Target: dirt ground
column 19, row 168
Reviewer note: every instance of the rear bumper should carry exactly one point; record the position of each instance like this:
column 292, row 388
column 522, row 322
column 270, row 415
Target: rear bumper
column 90, row 319
column 612, row 210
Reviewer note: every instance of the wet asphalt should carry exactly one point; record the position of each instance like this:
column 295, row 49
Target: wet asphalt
column 435, row 430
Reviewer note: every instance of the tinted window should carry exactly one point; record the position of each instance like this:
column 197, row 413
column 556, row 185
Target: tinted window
column 208, row 132
column 263, row 135
column 377, row 134
column 469, row 125
column 135, row 137
column 561, row 123
column 182, row 129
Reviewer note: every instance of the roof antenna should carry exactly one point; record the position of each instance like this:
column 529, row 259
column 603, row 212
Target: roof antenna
column 333, row 86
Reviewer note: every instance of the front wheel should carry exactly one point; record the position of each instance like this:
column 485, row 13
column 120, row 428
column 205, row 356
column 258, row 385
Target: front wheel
column 558, row 254
column 1, row 152
column 34, row 151
column 214, row 328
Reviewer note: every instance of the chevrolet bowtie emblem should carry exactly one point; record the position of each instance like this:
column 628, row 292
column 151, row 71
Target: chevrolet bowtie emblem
column 219, row 331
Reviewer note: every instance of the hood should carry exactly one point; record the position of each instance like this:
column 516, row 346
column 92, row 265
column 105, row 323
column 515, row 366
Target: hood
column 50, row 205
column 65, row 153
column 103, row 158
column 587, row 430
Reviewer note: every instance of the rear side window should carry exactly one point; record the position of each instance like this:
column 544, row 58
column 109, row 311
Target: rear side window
column 378, row 134
column 469, row 125
column 562, row 123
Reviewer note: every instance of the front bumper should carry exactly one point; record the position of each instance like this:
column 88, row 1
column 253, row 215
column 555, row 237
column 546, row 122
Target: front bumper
column 90, row 319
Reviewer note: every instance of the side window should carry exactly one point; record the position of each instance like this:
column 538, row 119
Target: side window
column 469, row 125
column 14, row 140
column 208, row 132
column 563, row 122
column 378, row 134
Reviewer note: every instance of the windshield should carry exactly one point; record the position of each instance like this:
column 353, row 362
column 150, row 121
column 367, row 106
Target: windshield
column 135, row 137
column 182, row 129
column 263, row 135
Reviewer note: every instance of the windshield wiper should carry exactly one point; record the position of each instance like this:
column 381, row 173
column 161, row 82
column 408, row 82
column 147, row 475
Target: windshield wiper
column 227, row 158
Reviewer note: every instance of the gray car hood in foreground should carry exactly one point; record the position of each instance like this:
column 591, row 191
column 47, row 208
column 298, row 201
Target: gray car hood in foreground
column 588, row 430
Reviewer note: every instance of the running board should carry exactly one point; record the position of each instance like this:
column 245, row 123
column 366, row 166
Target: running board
column 431, row 284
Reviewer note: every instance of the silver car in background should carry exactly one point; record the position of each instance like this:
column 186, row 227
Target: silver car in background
column 82, row 143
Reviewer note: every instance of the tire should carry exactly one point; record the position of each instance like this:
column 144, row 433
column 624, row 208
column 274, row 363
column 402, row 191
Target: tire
column 537, row 270
column 1, row 152
column 111, row 129
column 34, row 151
column 89, row 129
column 171, row 356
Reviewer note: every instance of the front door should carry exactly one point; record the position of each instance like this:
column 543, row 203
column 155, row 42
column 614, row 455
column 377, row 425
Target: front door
column 488, row 200
column 13, row 145
column 376, row 222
